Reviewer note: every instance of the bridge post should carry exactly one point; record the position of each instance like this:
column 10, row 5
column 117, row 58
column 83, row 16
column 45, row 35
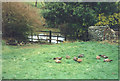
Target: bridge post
column 57, row 39
column 50, row 35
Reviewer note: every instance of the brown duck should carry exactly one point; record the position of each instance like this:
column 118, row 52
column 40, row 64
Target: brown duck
column 75, row 58
column 79, row 60
column 98, row 57
column 67, row 57
column 57, row 61
column 57, row 58
column 107, row 60
column 103, row 56
column 81, row 55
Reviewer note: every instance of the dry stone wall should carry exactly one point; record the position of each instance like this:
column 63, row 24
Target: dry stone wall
column 99, row 33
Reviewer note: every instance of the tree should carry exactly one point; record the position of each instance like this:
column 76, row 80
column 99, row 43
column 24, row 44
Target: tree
column 36, row 3
column 107, row 8
column 76, row 16
column 18, row 20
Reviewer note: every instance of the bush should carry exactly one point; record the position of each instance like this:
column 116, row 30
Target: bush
column 19, row 19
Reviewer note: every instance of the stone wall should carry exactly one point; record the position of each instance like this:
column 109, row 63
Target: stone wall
column 100, row 33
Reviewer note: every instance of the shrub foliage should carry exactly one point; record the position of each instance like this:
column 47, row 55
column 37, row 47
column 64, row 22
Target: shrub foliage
column 19, row 19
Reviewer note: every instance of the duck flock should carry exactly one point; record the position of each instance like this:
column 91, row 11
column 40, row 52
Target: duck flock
column 80, row 56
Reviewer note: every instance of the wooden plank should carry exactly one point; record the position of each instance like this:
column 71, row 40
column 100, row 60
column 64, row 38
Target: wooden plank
column 43, row 31
column 56, row 32
column 60, row 40
column 44, row 35
column 57, row 39
column 65, row 38
column 48, row 31
column 31, row 36
column 57, row 36
column 38, row 38
column 50, row 36
column 42, row 39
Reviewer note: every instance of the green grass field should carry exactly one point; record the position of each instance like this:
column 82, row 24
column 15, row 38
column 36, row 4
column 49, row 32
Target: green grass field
column 36, row 61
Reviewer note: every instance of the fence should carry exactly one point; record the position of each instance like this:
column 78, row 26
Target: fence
column 49, row 36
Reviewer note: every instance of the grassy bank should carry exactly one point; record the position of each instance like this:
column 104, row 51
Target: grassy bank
column 36, row 61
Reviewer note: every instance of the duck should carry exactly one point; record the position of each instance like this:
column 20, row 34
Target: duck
column 103, row 56
column 75, row 58
column 81, row 55
column 59, row 58
column 67, row 57
column 107, row 60
column 79, row 60
column 98, row 57
column 57, row 61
